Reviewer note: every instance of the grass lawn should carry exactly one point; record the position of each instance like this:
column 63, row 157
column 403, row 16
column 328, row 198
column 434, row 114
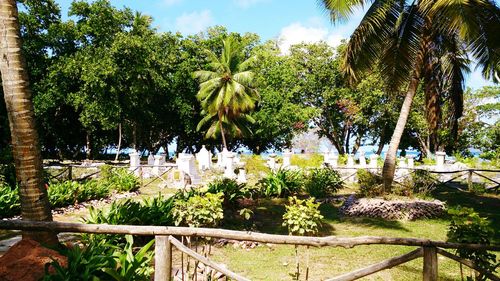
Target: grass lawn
column 278, row 262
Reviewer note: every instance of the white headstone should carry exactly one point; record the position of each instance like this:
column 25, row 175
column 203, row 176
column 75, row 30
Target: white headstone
column 411, row 162
column 402, row 162
column 350, row 160
column 229, row 169
column 219, row 160
column 242, row 176
column 135, row 160
column 271, row 162
column 333, row 159
column 204, row 159
column 158, row 163
column 225, row 156
column 440, row 155
column 187, row 164
column 287, row 156
column 362, row 159
column 151, row 160
column 373, row 161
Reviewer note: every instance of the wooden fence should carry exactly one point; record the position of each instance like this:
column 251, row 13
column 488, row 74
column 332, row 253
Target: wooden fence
column 165, row 240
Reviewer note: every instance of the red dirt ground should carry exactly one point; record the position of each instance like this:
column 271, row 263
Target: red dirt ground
column 26, row 261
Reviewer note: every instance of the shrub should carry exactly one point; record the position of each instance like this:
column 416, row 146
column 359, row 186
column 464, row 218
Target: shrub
column 231, row 190
column 423, row 182
column 10, row 204
column 323, row 182
column 468, row 227
column 302, row 217
column 119, row 179
column 199, row 210
column 254, row 164
column 370, row 185
column 70, row 192
column 281, row 183
column 307, row 161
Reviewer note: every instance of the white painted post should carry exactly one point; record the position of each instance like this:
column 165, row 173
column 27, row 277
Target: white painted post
column 157, row 165
column 135, row 160
column 151, row 160
column 219, row 160
column 229, row 170
column 287, row 155
column 373, row 162
column 225, row 154
column 402, row 162
column 334, row 160
column 271, row 162
column 440, row 155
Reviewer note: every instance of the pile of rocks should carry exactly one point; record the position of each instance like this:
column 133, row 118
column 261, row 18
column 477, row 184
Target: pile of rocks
column 392, row 209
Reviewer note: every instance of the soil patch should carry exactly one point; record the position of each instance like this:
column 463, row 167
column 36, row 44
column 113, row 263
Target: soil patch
column 26, row 261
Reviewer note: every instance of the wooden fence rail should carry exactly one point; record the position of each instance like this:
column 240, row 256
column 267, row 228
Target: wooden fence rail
column 428, row 249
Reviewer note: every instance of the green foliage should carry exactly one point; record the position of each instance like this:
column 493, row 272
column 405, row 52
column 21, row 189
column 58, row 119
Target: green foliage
column 100, row 260
column 423, row 182
column 199, row 210
column 370, row 185
column 323, row 182
column 281, row 183
column 231, row 190
column 302, row 217
column 70, row 192
column 129, row 266
column 10, row 204
column 307, row 161
column 468, row 227
column 119, row 179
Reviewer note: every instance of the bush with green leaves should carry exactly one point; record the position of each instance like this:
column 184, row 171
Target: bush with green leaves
column 305, row 161
column 101, row 260
column 423, row 182
column 199, row 210
column 231, row 189
column 281, row 183
column 10, row 204
column 70, row 192
column 323, row 182
column 254, row 164
column 302, row 217
column 119, row 179
column 467, row 226
column 370, row 185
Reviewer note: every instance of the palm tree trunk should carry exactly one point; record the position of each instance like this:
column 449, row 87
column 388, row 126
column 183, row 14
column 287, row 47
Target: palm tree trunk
column 390, row 157
column 222, row 132
column 25, row 146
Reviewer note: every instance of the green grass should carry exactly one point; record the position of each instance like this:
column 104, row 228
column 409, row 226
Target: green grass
column 278, row 262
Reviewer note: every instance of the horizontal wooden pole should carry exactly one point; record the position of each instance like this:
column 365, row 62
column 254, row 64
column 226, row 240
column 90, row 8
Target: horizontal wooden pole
column 389, row 263
column 468, row 263
column 205, row 261
column 232, row 234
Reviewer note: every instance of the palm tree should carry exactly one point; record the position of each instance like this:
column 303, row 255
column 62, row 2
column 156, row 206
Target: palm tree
column 227, row 92
column 420, row 41
column 25, row 146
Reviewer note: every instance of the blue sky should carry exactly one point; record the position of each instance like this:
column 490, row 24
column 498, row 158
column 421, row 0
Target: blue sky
column 289, row 21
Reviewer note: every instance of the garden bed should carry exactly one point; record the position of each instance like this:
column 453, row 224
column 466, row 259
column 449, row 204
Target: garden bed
column 392, row 209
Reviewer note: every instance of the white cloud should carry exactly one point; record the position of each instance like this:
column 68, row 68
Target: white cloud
column 247, row 3
column 296, row 33
column 170, row 2
column 190, row 23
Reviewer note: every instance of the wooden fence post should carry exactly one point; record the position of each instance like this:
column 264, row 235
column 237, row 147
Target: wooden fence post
column 163, row 258
column 430, row 264
column 70, row 172
column 469, row 180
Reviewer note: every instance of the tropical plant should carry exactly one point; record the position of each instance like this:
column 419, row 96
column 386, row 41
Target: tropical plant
column 199, row 210
column 421, row 41
column 226, row 91
column 323, row 182
column 9, row 200
column 281, row 183
column 119, row 179
column 231, row 190
column 24, row 137
column 370, row 185
column 467, row 226
column 302, row 217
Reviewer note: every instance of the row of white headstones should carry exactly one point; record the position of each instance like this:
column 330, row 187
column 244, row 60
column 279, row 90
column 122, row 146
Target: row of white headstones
column 230, row 161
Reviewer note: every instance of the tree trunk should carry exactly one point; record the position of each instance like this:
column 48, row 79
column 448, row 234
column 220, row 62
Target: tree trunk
column 222, row 132
column 119, row 141
column 88, row 151
column 25, row 146
column 390, row 157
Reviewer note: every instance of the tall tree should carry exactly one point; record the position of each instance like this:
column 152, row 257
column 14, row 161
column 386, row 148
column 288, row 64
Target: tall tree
column 227, row 92
column 25, row 146
column 402, row 38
